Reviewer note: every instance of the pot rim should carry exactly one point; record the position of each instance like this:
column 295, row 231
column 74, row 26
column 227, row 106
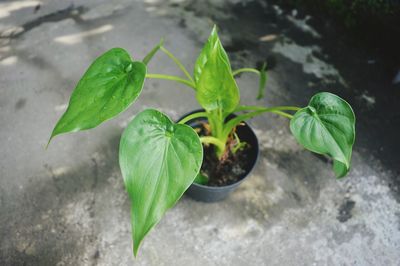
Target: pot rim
column 251, row 169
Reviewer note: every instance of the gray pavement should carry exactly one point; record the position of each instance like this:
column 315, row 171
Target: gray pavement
column 67, row 205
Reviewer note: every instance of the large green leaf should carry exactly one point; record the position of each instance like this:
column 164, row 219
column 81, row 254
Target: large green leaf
column 109, row 86
column 216, row 87
column 159, row 160
column 327, row 126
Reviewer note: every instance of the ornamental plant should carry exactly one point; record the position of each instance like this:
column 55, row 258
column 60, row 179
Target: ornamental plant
column 160, row 159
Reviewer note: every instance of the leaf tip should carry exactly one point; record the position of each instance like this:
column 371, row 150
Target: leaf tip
column 135, row 250
column 48, row 143
column 51, row 137
column 214, row 32
column 137, row 240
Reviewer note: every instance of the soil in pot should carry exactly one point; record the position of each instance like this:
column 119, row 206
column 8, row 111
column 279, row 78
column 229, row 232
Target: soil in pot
column 230, row 169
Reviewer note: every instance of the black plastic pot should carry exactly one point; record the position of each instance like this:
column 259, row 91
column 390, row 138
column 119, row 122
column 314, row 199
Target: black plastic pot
column 212, row 194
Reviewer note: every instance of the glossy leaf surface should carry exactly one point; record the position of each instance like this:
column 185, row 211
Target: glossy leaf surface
column 159, row 160
column 327, row 126
column 111, row 83
column 216, row 87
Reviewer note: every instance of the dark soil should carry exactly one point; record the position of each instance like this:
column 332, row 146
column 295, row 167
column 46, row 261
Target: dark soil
column 229, row 170
column 226, row 172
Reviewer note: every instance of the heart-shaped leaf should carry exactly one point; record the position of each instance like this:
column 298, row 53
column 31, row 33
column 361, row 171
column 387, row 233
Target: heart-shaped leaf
column 159, row 160
column 112, row 82
column 216, row 87
column 327, row 126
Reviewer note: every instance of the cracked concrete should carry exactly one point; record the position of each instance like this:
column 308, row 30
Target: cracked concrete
column 67, row 205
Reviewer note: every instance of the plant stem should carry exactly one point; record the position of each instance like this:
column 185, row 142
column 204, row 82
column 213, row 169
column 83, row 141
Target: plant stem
column 282, row 114
column 216, row 122
column 246, row 69
column 257, row 110
column 212, row 140
column 174, row 78
column 153, row 51
column 261, row 108
column 192, row 116
column 180, row 65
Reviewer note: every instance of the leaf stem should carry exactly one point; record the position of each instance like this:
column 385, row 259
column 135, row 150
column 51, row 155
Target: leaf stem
column 192, row 116
column 174, row 78
column 257, row 110
column 261, row 108
column 212, row 140
column 282, row 114
column 246, row 69
column 153, row 51
column 180, row 65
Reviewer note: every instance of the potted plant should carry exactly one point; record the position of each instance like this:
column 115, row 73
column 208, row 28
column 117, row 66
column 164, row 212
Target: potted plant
column 160, row 159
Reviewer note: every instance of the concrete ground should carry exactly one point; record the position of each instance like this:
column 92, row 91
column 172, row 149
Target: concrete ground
column 67, row 205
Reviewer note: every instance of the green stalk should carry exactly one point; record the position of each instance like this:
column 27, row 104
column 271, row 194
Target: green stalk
column 212, row 140
column 153, row 51
column 282, row 114
column 262, row 73
column 180, row 65
column 261, row 108
column 174, row 78
column 216, row 121
column 246, row 69
column 213, row 121
column 257, row 110
column 192, row 116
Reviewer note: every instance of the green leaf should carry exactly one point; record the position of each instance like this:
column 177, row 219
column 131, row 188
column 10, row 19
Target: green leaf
column 159, row 160
column 112, row 82
column 153, row 51
column 201, row 179
column 263, row 82
column 216, row 87
column 327, row 126
column 204, row 55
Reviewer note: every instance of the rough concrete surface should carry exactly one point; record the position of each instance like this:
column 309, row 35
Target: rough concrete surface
column 67, row 205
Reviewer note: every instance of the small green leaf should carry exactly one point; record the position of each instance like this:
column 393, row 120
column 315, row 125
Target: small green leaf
column 159, row 160
column 327, row 126
column 201, row 179
column 263, row 82
column 153, row 51
column 204, row 55
column 216, row 87
column 109, row 86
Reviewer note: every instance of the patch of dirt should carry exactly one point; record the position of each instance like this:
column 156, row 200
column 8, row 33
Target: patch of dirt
column 224, row 172
column 230, row 168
